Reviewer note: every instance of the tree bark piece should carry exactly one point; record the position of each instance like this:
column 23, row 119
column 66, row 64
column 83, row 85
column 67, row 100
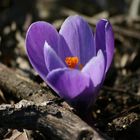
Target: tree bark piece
column 47, row 118
column 52, row 119
column 22, row 88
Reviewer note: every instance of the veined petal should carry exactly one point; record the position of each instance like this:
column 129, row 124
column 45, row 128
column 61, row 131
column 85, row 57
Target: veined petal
column 79, row 38
column 37, row 34
column 63, row 50
column 69, row 83
column 52, row 60
column 95, row 68
column 104, row 40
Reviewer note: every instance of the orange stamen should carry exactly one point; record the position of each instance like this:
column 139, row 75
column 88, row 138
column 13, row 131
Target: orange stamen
column 71, row 61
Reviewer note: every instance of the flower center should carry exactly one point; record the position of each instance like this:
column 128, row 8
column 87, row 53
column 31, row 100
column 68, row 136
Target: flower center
column 72, row 62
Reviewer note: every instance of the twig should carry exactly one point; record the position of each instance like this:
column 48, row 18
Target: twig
column 126, row 111
column 133, row 10
column 114, row 89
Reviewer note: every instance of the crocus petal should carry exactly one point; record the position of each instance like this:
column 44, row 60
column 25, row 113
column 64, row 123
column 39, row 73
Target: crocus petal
column 95, row 68
column 52, row 60
column 69, row 83
column 104, row 40
column 79, row 37
column 63, row 50
column 37, row 34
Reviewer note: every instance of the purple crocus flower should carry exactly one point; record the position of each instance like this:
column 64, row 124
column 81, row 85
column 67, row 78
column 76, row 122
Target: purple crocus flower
column 74, row 61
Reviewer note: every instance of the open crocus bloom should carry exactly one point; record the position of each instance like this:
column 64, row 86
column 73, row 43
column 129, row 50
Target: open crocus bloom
column 72, row 62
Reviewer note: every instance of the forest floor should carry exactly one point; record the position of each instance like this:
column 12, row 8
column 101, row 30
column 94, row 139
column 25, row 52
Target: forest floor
column 116, row 112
